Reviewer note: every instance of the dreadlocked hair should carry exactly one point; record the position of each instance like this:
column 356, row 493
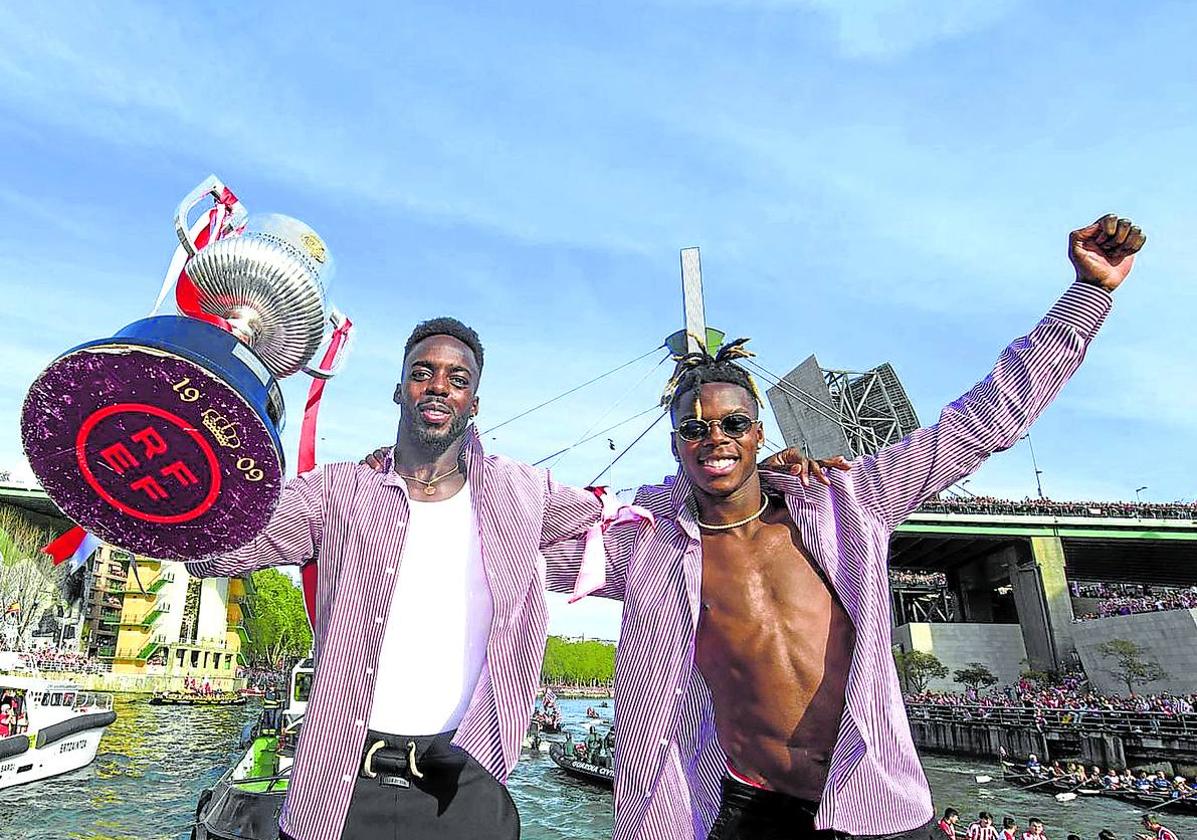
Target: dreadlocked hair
column 693, row 370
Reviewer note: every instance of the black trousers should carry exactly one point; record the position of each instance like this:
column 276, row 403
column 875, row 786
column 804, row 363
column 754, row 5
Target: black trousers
column 749, row 813
column 453, row 798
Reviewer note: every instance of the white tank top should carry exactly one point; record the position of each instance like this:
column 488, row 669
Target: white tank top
column 434, row 645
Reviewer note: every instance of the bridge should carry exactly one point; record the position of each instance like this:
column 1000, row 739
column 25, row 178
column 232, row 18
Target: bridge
column 1008, row 580
column 1007, row 600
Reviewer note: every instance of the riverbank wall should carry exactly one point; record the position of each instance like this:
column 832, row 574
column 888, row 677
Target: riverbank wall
column 1146, row 751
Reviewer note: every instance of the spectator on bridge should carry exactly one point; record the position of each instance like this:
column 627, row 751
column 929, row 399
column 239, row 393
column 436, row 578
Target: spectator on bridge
column 988, row 505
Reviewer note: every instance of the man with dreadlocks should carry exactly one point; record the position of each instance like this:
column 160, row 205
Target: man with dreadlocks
column 755, row 686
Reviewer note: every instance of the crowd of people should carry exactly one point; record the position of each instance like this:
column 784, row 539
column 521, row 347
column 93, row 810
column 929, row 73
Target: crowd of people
column 13, row 718
column 597, row 749
column 1071, row 694
column 258, row 679
column 985, row 828
column 1048, row 507
column 1129, row 598
column 917, row 577
column 62, row 661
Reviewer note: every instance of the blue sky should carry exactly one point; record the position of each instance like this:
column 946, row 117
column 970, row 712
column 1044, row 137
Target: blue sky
column 868, row 181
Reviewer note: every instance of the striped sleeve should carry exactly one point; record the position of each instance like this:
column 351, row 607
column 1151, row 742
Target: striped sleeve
column 568, row 512
column 989, row 418
column 563, row 559
column 291, row 538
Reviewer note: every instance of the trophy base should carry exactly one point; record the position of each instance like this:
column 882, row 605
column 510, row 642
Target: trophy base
column 162, row 440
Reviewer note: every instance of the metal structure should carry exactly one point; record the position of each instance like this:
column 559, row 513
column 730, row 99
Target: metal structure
column 920, row 604
column 838, row 412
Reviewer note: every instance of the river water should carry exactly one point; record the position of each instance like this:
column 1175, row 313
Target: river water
column 155, row 760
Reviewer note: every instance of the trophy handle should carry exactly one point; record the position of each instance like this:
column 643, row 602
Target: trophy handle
column 231, row 215
column 343, row 328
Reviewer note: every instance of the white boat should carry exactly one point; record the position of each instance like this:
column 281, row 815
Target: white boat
column 48, row 728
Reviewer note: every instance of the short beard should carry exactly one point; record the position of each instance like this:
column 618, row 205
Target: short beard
column 438, row 444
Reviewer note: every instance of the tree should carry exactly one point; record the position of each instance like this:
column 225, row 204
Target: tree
column 917, row 667
column 976, row 676
column 277, row 620
column 1131, row 666
column 577, row 662
column 28, row 579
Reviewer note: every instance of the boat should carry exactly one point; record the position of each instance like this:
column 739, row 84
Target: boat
column 1144, row 800
column 562, row 753
column 548, row 720
column 51, row 728
column 188, row 698
column 245, row 803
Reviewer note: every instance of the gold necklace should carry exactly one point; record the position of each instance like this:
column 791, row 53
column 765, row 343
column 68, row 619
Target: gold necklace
column 729, row 525
column 430, row 484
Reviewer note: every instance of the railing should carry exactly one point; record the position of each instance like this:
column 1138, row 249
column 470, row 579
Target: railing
column 1068, row 720
column 150, row 617
column 161, row 581
column 106, row 651
column 1030, row 507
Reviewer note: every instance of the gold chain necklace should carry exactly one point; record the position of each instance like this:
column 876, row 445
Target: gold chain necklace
column 729, row 525
column 430, row 484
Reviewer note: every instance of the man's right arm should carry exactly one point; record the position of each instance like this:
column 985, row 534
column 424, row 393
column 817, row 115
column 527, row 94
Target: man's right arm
column 291, row 538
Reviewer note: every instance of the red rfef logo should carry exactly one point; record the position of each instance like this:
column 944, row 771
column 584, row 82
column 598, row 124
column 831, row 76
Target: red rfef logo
column 148, row 463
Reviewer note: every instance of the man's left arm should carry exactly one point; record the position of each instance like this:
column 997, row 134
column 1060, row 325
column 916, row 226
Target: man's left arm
column 1028, row 375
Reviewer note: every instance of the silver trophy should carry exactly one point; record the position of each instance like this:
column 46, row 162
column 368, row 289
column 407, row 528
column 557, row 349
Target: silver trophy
column 164, row 438
column 269, row 280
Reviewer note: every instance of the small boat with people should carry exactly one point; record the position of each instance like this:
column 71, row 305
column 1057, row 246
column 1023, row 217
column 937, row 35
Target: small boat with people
column 548, row 719
column 191, row 698
column 48, row 728
column 591, row 760
column 1155, row 793
column 245, row 803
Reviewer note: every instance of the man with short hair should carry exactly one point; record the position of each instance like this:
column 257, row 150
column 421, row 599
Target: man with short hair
column 1157, row 831
column 1034, row 830
column 755, row 679
column 983, row 828
column 947, row 823
column 430, row 620
column 1009, row 829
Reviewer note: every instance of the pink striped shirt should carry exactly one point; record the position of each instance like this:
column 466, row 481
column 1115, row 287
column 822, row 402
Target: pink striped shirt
column 667, row 760
column 354, row 518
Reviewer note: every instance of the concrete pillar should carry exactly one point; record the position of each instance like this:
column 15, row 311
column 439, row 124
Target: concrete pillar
column 1043, row 602
column 1103, row 750
column 975, row 590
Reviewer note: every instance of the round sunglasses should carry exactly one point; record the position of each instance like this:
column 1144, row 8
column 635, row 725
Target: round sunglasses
column 733, row 425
